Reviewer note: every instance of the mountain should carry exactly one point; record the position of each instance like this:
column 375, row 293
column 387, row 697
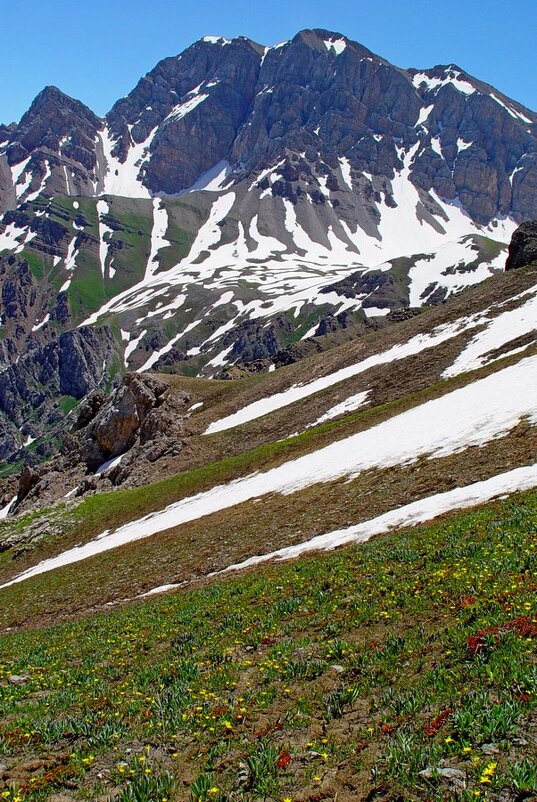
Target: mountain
column 268, row 370
column 238, row 202
column 312, row 101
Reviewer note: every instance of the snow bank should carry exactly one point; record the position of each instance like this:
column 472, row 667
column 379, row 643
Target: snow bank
column 470, row 416
column 410, row 515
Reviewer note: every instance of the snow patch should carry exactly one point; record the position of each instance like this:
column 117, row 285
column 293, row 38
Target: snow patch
column 499, row 331
column 419, row 512
column 108, row 465
column 104, row 231
column 468, row 417
column 158, row 240
column 4, row 512
column 132, row 345
column 33, row 195
column 517, row 115
column 43, row 322
column 212, row 180
column 182, row 109
column 424, row 115
column 216, row 40
column 376, row 311
column 350, row 404
column 339, row 45
column 123, row 178
column 345, row 166
column 452, row 77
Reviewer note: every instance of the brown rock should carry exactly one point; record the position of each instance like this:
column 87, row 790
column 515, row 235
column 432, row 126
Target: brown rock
column 28, row 479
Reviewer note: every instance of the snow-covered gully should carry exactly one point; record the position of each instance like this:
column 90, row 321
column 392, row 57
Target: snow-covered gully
column 470, row 416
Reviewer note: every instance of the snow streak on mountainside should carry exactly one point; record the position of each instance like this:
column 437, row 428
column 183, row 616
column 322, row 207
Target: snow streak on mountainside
column 494, row 329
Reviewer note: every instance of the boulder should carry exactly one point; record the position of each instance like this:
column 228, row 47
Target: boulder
column 523, row 246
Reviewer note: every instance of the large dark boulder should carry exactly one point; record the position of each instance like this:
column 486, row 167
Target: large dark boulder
column 523, row 246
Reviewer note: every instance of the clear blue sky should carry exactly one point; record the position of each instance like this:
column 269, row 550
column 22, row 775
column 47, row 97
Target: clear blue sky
column 96, row 50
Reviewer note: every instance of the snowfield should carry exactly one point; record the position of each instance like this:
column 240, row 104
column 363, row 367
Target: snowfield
column 288, row 254
column 470, row 416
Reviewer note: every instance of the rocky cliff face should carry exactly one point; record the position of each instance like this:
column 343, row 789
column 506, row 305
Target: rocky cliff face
column 43, row 370
column 112, row 441
column 319, row 97
column 51, row 151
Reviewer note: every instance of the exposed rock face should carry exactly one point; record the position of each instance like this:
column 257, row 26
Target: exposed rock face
column 523, row 247
column 55, row 144
column 251, row 341
column 28, row 479
column 379, row 289
column 142, row 419
column 227, row 77
column 319, row 95
column 118, row 422
column 72, row 365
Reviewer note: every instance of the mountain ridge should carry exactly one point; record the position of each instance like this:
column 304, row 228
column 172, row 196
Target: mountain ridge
column 241, row 200
column 202, row 59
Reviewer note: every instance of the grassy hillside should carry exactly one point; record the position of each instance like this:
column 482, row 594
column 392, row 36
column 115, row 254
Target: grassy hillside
column 401, row 669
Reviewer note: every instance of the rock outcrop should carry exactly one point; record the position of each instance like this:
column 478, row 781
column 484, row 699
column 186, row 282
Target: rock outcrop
column 523, row 247
column 52, row 150
column 139, row 422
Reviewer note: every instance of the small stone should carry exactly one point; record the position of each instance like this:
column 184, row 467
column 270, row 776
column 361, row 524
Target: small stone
column 454, row 776
column 18, row 679
column 520, row 742
column 490, row 749
column 338, row 669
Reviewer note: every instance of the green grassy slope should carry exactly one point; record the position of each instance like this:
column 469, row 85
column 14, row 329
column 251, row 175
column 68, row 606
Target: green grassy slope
column 340, row 676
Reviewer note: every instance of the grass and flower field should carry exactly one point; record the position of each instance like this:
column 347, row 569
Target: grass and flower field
column 402, row 669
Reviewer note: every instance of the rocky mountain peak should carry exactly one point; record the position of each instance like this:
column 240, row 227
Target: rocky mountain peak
column 332, row 43
column 52, row 117
column 51, row 151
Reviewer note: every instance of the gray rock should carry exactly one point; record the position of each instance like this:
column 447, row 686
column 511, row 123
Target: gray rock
column 489, row 749
column 18, row 679
column 454, row 776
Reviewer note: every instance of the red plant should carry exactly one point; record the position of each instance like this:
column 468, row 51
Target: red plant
column 434, row 726
column 466, row 601
column 284, row 759
column 387, row 728
column 522, row 626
